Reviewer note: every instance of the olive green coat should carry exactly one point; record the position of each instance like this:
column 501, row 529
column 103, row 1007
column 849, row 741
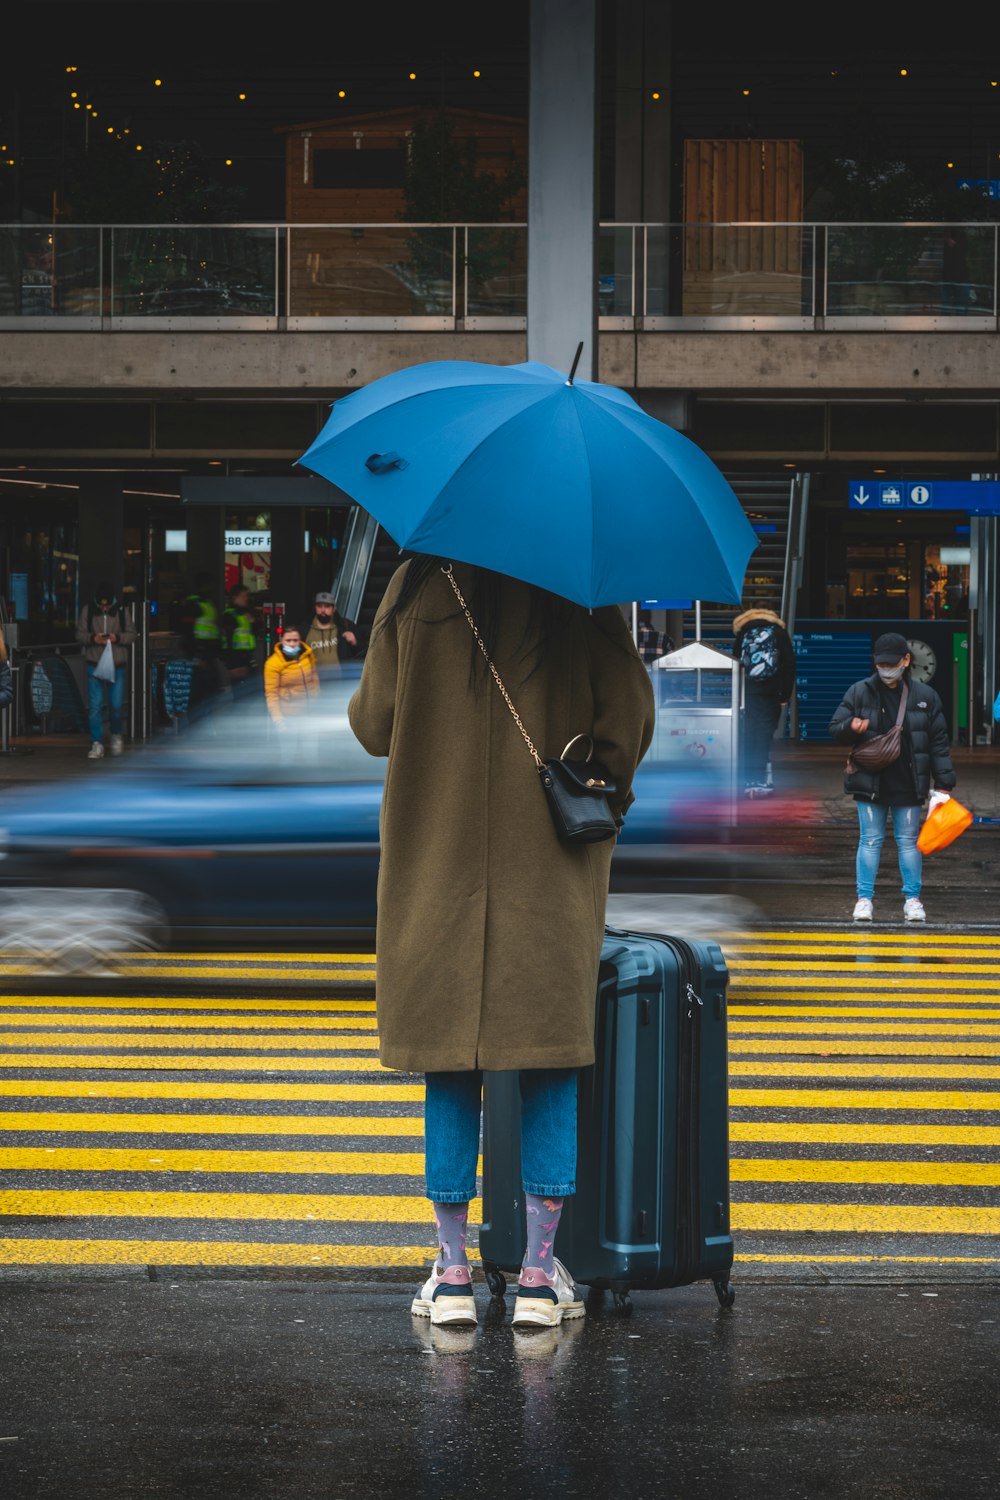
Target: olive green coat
column 489, row 927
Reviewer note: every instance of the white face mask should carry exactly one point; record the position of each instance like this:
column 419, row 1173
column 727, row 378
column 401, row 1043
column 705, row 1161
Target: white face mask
column 891, row 674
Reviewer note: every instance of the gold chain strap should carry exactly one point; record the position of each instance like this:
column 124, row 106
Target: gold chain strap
column 499, row 682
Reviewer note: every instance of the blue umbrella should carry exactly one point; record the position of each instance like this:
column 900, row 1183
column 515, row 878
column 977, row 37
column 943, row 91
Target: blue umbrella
column 568, row 485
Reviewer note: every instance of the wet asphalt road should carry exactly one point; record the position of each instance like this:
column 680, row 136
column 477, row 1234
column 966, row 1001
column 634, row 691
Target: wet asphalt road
column 231, row 1390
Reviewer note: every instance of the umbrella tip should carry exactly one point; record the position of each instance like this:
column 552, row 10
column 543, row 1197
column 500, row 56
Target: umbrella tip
column 576, row 361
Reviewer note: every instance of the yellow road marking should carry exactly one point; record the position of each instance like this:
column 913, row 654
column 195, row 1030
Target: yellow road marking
column 807, row 1257
column 139, row 1062
column 325, row 1208
column 834, row 1133
column 392, row 1209
column 337, row 1042
column 857, row 1218
column 411, row 1164
column 922, row 1099
column 910, row 1173
column 133, row 1002
column 865, row 966
column 923, row 978
column 863, row 1070
column 905, row 939
column 206, row 1253
column 834, row 1046
column 887, row 1012
column 808, row 1000
column 265, row 958
column 862, row 1028
column 89, row 1252
column 154, row 1159
column 119, row 1088
column 238, row 973
column 847, row 951
column 269, row 1125
column 257, row 1023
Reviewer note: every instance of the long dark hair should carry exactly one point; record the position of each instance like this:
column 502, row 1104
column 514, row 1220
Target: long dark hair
column 549, row 614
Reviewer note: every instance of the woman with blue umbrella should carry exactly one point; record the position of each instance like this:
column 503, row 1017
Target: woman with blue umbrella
column 490, row 925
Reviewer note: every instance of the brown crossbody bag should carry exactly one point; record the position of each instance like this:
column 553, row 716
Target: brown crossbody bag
column 882, row 749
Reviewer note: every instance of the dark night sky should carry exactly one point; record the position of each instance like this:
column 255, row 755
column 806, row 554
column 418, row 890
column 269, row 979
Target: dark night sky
column 810, row 76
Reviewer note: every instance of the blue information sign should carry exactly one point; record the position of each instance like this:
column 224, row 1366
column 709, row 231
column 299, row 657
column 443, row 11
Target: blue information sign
column 978, row 496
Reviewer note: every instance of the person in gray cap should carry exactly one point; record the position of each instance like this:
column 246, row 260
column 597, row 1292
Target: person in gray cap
column 870, row 708
column 332, row 637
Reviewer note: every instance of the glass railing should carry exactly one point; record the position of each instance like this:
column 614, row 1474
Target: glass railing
column 650, row 276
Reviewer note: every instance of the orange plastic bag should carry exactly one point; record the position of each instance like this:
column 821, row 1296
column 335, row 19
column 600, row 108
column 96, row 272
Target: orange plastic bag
column 942, row 826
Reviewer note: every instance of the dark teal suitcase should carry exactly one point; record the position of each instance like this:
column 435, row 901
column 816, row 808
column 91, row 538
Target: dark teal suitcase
column 652, row 1202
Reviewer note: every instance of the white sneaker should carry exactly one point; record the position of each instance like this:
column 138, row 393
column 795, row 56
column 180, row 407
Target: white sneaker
column 117, row 744
column 443, row 1303
column 913, row 910
column 96, row 751
column 863, row 910
column 546, row 1306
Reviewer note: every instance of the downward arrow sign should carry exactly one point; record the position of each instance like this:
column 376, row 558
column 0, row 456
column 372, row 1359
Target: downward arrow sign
column 862, row 497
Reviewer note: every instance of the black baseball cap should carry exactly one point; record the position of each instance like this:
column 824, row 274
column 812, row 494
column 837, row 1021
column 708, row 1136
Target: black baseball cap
column 890, row 648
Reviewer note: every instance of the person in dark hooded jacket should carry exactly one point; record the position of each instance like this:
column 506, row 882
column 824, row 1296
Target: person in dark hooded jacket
column 765, row 649
column 870, row 708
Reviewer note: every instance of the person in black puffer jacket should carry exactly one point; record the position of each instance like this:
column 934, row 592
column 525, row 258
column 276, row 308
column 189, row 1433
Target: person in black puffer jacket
column 870, row 707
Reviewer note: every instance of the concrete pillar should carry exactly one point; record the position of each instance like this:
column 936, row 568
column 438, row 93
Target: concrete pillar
column 562, row 184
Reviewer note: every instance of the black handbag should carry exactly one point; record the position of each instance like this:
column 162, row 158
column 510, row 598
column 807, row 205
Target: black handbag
column 880, row 750
column 576, row 790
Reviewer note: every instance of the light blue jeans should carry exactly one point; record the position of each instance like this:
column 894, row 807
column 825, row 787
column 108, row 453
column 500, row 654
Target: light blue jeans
column 452, row 1113
column 905, row 826
column 96, row 689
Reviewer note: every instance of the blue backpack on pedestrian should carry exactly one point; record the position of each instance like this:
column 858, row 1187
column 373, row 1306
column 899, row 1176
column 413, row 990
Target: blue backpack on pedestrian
column 759, row 652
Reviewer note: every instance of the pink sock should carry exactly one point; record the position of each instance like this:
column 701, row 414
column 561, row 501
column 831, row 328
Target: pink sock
column 543, row 1216
column 452, row 1261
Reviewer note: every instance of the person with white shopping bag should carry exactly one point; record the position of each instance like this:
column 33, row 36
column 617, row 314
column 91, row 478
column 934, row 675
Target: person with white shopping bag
column 105, row 629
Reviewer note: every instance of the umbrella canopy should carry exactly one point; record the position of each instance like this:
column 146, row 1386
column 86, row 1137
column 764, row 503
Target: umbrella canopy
column 571, row 486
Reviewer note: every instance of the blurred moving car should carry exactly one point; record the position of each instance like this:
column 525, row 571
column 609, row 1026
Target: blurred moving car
column 210, row 839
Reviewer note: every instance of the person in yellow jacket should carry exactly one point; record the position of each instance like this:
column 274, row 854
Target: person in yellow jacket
column 291, row 691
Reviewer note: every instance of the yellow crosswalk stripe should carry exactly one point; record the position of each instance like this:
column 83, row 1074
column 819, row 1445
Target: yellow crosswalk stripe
column 867, row 1099
column 810, row 1023
column 325, row 1208
column 267, row 1253
column 90, row 1252
column 336, row 1042
column 905, row 940
column 881, row 1047
column 884, row 1012
column 122, row 1088
column 863, row 1070
column 906, row 1173
column 870, row 968
column 827, row 994
column 921, row 979
column 181, row 1061
column 257, row 1023
column 160, row 970
column 209, row 1002
column 840, row 1218
column 847, row 951
column 153, row 1159
column 192, row 1124
column 836, row 1133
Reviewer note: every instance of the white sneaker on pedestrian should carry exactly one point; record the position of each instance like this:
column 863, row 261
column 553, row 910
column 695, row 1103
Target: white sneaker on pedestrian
column 96, row 751
column 444, row 1303
column 117, row 744
column 543, row 1306
column 913, row 910
column 863, row 910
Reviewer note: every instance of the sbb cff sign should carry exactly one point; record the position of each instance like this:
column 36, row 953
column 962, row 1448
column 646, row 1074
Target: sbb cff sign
column 248, row 541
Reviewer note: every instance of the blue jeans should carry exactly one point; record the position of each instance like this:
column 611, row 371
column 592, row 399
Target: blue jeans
column 548, row 1133
column 96, row 690
column 905, row 825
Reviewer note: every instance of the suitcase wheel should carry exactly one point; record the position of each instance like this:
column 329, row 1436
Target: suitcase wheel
column 725, row 1291
column 623, row 1304
column 497, row 1283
